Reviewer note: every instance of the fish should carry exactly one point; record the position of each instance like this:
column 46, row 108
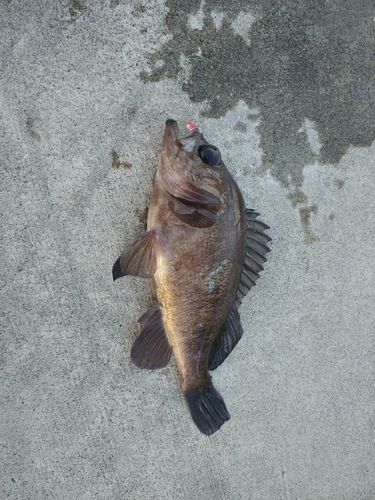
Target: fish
column 205, row 251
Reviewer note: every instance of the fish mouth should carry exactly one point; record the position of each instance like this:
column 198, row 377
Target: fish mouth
column 171, row 134
column 175, row 141
column 186, row 140
column 172, row 130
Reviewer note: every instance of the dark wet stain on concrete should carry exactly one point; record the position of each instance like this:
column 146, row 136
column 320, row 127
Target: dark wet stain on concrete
column 311, row 59
column 132, row 111
column 117, row 163
column 331, row 216
column 139, row 10
column 142, row 216
column 305, row 214
column 30, row 130
column 297, row 197
column 240, row 126
column 76, row 7
column 252, row 116
column 339, row 183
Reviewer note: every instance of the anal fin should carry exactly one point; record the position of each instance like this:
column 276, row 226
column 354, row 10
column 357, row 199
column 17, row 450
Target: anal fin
column 138, row 258
column 151, row 349
column 227, row 340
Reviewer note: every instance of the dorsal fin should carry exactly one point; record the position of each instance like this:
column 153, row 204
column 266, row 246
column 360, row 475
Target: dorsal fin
column 256, row 248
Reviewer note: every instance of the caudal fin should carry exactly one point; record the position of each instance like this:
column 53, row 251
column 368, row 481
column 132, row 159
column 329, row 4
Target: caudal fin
column 207, row 408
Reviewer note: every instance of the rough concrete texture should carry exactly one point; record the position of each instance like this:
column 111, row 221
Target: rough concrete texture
column 286, row 91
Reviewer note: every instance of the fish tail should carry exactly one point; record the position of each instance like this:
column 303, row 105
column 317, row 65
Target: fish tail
column 207, row 408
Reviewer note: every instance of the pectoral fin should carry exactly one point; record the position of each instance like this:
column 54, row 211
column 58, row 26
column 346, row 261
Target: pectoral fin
column 186, row 214
column 138, row 259
column 117, row 271
column 227, row 340
column 189, row 192
column 151, row 349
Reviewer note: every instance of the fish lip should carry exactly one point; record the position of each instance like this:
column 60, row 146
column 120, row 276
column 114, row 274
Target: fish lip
column 176, row 140
column 173, row 133
column 171, row 128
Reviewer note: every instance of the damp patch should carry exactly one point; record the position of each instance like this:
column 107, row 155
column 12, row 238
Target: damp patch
column 306, row 66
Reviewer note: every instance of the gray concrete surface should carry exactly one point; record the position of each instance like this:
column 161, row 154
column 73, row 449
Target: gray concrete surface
column 286, row 90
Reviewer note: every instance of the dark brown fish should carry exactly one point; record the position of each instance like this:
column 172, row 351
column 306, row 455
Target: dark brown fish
column 205, row 251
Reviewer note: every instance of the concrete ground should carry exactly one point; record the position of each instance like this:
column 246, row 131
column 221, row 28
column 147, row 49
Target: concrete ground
column 285, row 89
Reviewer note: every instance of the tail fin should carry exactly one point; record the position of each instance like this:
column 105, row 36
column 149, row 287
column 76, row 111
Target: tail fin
column 207, row 408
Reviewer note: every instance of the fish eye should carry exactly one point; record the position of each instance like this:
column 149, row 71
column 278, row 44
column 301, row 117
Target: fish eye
column 209, row 154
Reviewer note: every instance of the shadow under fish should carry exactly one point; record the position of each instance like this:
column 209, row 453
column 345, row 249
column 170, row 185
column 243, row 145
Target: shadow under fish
column 205, row 251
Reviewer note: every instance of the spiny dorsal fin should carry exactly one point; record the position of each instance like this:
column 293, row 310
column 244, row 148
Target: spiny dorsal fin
column 256, row 248
column 151, row 349
column 138, row 258
column 227, row 339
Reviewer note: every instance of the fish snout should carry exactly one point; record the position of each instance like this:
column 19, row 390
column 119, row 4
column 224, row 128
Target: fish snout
column 171, row 130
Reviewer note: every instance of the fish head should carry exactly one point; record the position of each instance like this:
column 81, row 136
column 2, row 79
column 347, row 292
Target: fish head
column 191, row 169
